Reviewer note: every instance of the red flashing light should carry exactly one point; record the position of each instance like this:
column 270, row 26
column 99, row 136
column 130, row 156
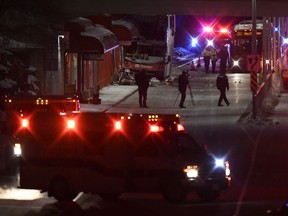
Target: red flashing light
column 71, row 124
column 118, row 125
column 180, row 127
column 224, row 30
column 25, row 123
column 156, row 128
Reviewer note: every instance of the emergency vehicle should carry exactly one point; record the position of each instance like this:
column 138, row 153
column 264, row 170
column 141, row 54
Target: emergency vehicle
column 16, row 106
column 241, row 44
column 113, row 153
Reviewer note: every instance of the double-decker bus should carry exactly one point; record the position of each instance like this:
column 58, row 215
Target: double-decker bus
column 153, row 50
column 241, row 44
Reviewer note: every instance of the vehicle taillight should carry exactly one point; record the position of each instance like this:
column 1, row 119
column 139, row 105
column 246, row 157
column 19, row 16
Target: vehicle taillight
column 156, row 128
column 180, row 127
column 71, row 124
column 25, row 123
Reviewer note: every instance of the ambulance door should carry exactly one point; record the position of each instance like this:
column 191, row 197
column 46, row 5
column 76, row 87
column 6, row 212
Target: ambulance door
column 147, row 167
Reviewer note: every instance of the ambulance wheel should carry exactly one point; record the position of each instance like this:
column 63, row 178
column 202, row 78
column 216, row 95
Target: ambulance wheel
column 60, row 189
column 208, row 195
column 174, row 192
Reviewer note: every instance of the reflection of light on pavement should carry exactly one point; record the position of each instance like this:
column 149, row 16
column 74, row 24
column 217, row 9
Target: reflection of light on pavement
column 20, row 194
column 87, row 201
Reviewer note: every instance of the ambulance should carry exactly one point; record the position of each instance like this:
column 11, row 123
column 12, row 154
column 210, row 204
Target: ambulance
column 13, row 107
column 109, row 154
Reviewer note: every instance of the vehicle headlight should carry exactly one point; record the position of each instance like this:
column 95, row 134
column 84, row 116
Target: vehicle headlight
column 17, row 149
column 191, row 171
column 219, row 162
column 236, row 63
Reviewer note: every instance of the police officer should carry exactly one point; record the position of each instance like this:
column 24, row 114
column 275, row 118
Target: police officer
column 222, row 84
column 223, row 55
column 214, row 58
column 206, row 56
column 142, row 81
column 182, row 85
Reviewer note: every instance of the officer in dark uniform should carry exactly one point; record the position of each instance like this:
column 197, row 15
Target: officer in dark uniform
column 182, row 85
column 222, row 84
column 142, row 81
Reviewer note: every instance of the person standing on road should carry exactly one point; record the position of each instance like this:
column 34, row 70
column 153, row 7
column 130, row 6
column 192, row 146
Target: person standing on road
column 223, row 55
column 142, row 81
column 222, row 84
column 206, row 56
column 214, row 58
column 182, row 85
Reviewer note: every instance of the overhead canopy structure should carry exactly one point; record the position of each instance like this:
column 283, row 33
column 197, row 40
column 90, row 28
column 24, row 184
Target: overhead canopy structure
column 125, row 31
column 83, row 36
column 269, row 8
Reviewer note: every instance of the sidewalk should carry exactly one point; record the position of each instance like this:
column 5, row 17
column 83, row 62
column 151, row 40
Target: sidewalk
column 110, row 96
column 280, row 112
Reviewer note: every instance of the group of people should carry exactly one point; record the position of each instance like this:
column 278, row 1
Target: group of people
column 210, row 54
column 222, row 85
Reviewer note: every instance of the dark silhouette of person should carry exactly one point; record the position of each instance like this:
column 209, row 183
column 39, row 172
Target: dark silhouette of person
column 223, row 55
column 142, row 81
column 206, row 57
column 182, row 85
column 222, row 84
column 214, row 58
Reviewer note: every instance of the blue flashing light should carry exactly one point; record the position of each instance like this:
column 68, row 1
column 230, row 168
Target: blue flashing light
column 276, row 29
column 194, row 42
column 285, row 41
